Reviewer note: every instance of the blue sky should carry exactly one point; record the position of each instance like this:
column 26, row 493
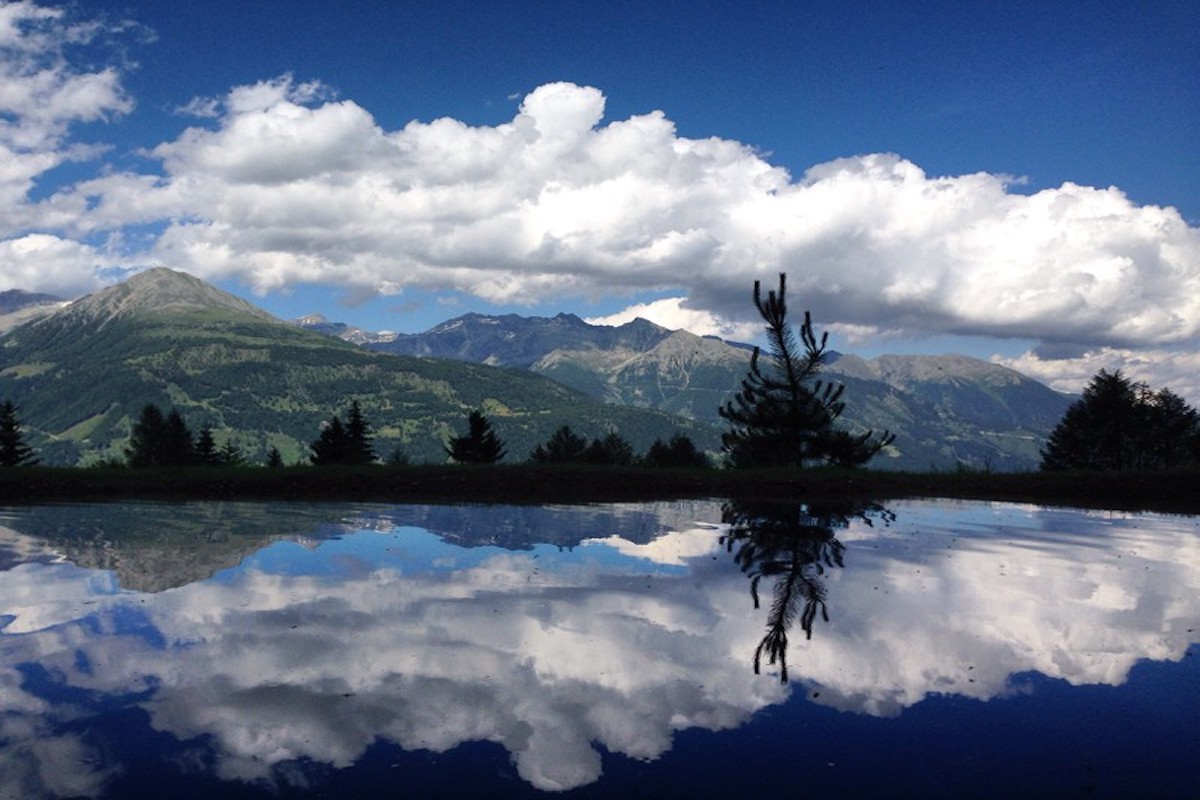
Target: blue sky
column 1018, row 181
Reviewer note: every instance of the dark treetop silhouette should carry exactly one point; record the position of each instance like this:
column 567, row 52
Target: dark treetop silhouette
column 479, row 445
column 783, row 416
column 1118, row 424
column 14, row 452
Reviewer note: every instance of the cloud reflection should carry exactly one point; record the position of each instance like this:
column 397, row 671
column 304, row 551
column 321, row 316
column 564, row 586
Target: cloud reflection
column 554, row 653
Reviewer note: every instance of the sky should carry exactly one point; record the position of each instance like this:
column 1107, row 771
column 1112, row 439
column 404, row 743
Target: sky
column 1018, row 181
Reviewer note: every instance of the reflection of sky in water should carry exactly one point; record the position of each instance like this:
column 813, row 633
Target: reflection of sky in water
column 311, row 651
column 410, row 550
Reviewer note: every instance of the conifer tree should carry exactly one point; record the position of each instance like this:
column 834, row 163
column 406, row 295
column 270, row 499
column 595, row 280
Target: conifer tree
column 611, row 450
column 479, row 445
column 344, row 443
column 179, row 448
column 13, row 450
column 783, row 416
column 679, row 452
column 1120, row 424
column 158, row 441
column 331, row 445
column 206, row 448
column 358, row 437
column 563, row 446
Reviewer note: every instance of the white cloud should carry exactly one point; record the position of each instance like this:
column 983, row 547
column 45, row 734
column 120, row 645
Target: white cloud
column 42, row 94
column 1177, row 370
column 59, row 266
column 289, row 187
column 284, row 183
column 672, row 313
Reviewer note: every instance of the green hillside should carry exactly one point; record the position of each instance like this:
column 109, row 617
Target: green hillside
column 82, row 373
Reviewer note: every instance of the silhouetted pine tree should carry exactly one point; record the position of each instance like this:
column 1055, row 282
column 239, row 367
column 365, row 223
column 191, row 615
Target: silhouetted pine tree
column 348, row 443
column 179, row 448
column 612, row 450
column 331, row 445
column 157, row 441
column 1119, row 424
column 206, row 448
column 563, row 446
column 358, row 437
column 13, row 450
column 783, row 416
column 680, row 452
column 479, row 445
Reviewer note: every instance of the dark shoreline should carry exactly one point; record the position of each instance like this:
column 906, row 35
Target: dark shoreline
column 1171, row 491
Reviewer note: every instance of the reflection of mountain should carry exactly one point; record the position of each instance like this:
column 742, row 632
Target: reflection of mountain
column 303, row 657
column 791, row 543
column 156, row 546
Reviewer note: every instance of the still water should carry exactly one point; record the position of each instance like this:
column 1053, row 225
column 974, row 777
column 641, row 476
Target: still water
column 689, row 649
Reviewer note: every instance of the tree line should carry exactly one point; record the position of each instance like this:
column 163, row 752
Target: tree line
column 1121, row 424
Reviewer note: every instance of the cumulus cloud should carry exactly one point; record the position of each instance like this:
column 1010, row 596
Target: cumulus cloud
column 672, row 313
column 282, row 183
column 51, row 264
column 1178, row 370
column 291, row 187
column 42, row 94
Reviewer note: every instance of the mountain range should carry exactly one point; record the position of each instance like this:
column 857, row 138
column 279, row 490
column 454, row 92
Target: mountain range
column 81, row 372
column 946, row 410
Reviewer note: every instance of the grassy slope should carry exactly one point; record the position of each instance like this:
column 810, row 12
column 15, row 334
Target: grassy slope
column 268, row 384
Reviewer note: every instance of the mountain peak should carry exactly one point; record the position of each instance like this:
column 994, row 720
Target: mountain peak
column 158, row 290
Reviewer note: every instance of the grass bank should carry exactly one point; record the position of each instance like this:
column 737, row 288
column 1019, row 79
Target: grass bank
column 1175, row 491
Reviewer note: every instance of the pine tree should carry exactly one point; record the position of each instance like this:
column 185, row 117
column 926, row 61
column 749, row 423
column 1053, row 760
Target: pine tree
column 479, row 445
column 680, row 452
column 783, row 416
column 358, row 437
column 274, row 458
column 13, row 450
column 344, row 443
column 206, row 448
column 612, row 451
column 158, row 441
column 1120, row 424
column 332, row 444
column 179, row 448
column 563, row 446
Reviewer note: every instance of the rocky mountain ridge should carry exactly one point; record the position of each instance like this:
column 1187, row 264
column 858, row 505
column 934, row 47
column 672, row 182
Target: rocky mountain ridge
column 948, row 410
column 82, row 373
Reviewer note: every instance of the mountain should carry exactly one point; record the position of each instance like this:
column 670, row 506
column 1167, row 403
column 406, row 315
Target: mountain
column 947, row 411
column 515, row 341
column 18, row 307
column 318, row 323
column 80, row 375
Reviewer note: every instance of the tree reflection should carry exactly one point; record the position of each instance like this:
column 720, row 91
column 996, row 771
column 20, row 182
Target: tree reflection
column 793, row 543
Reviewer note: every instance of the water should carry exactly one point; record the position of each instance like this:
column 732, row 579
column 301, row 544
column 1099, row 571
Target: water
column 692, row 649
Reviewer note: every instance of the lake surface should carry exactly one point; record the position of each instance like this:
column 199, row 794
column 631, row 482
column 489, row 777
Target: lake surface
column 691, row 649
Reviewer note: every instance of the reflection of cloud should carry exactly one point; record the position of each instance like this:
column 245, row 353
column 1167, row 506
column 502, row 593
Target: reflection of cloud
column 552, row 654
column 939, row 605
column 673, row 548
column 41, row 766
